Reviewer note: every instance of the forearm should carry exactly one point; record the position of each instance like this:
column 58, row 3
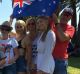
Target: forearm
column 61, row 35
column 16, row 52
column 29, row 59
column 2, row 62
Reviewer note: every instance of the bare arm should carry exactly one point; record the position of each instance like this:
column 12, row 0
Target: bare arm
column 16, row 52
column 28, row 49
column 60, row 33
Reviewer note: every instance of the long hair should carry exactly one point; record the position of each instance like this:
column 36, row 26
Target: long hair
column 45, row 18
column 32, row 21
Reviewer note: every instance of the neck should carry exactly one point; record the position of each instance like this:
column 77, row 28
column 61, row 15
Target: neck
column 32, row 35
column 20, row 36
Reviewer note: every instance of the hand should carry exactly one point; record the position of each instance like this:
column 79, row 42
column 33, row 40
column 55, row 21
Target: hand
column 2, row 62
column 11, row 18
column 33, row 66
column 11, row 61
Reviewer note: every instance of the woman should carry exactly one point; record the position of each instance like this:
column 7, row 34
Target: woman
column 20, row 35
column 45, row 44
column 9, row 47
column 30, row 43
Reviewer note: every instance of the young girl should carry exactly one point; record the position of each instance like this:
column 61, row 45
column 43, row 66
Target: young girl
column 45, row 44
column 10, row 50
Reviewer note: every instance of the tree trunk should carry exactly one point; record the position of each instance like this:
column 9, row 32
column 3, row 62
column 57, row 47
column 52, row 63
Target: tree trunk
column 73, row 22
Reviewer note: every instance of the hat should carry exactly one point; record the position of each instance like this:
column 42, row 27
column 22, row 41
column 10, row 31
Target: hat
column 68, row 10
column 6, row 25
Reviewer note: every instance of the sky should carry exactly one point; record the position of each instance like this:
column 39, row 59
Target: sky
column 6, row 11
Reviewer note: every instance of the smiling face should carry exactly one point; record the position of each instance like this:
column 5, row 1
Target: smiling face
column 31, row 25
column 42, row 24
column 20, row 27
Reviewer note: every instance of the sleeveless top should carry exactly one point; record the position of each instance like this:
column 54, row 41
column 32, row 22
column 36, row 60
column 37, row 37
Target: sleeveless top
column 21, row 49
column 34, row 50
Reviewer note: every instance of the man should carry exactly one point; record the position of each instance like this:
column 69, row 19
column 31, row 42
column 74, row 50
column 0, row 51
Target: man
column 64, row 33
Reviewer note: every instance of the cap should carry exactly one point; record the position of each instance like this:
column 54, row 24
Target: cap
column 6, row 25
column 68, row 10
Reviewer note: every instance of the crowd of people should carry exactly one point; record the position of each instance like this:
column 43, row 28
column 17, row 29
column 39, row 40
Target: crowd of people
column 38, row 47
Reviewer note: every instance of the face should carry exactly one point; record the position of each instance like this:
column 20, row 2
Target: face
column 19, row 28
column 65, row 17
column 4, row 31
column 31, row 25
column 42, row 24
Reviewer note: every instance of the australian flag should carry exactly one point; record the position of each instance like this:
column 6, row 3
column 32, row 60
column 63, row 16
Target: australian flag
column 22, row 8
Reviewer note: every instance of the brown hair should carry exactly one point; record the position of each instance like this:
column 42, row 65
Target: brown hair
column 46, row 18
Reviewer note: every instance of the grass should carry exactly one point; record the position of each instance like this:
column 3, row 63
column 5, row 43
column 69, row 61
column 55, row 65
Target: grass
column 74, row 65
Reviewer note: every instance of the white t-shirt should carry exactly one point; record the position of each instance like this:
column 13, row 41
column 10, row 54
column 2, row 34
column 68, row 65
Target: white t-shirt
column 8, row 48
column 45, row 60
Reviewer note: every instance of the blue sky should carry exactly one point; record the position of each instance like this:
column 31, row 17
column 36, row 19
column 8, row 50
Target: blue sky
column 5, row 10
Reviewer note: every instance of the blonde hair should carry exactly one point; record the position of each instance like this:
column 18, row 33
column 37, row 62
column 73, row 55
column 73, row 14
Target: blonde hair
column 22, row 23
column 29, row 20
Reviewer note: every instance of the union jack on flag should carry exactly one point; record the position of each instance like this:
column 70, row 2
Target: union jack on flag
column 21, row 2
column 24, row 8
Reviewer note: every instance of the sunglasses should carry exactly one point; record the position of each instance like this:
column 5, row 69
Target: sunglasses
column 31, row 23
column 19, row 27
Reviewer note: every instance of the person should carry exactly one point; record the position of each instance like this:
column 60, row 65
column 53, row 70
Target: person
column 30, row 44
column 9, row 47
column 21, row 62
column 45, row 45
column 64, row 32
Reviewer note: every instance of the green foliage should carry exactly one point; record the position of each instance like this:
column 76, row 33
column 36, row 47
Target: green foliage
column 74, row 65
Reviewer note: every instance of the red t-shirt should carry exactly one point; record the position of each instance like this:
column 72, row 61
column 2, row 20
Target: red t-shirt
column 60, row 50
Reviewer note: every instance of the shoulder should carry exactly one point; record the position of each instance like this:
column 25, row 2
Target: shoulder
column 51, row 33
column 70, row 27
column 26, row 40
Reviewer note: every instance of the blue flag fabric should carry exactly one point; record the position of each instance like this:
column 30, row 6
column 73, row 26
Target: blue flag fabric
column 35, row 8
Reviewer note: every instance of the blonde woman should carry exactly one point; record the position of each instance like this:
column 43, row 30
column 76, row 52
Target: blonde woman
column 20, row 28
column 30, row 44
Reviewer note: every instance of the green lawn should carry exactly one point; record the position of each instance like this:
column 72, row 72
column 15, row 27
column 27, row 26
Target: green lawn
column 74, row 65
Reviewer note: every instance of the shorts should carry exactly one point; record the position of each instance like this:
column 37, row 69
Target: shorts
column 11, row 69
column 21, row 64
column 61, row 66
